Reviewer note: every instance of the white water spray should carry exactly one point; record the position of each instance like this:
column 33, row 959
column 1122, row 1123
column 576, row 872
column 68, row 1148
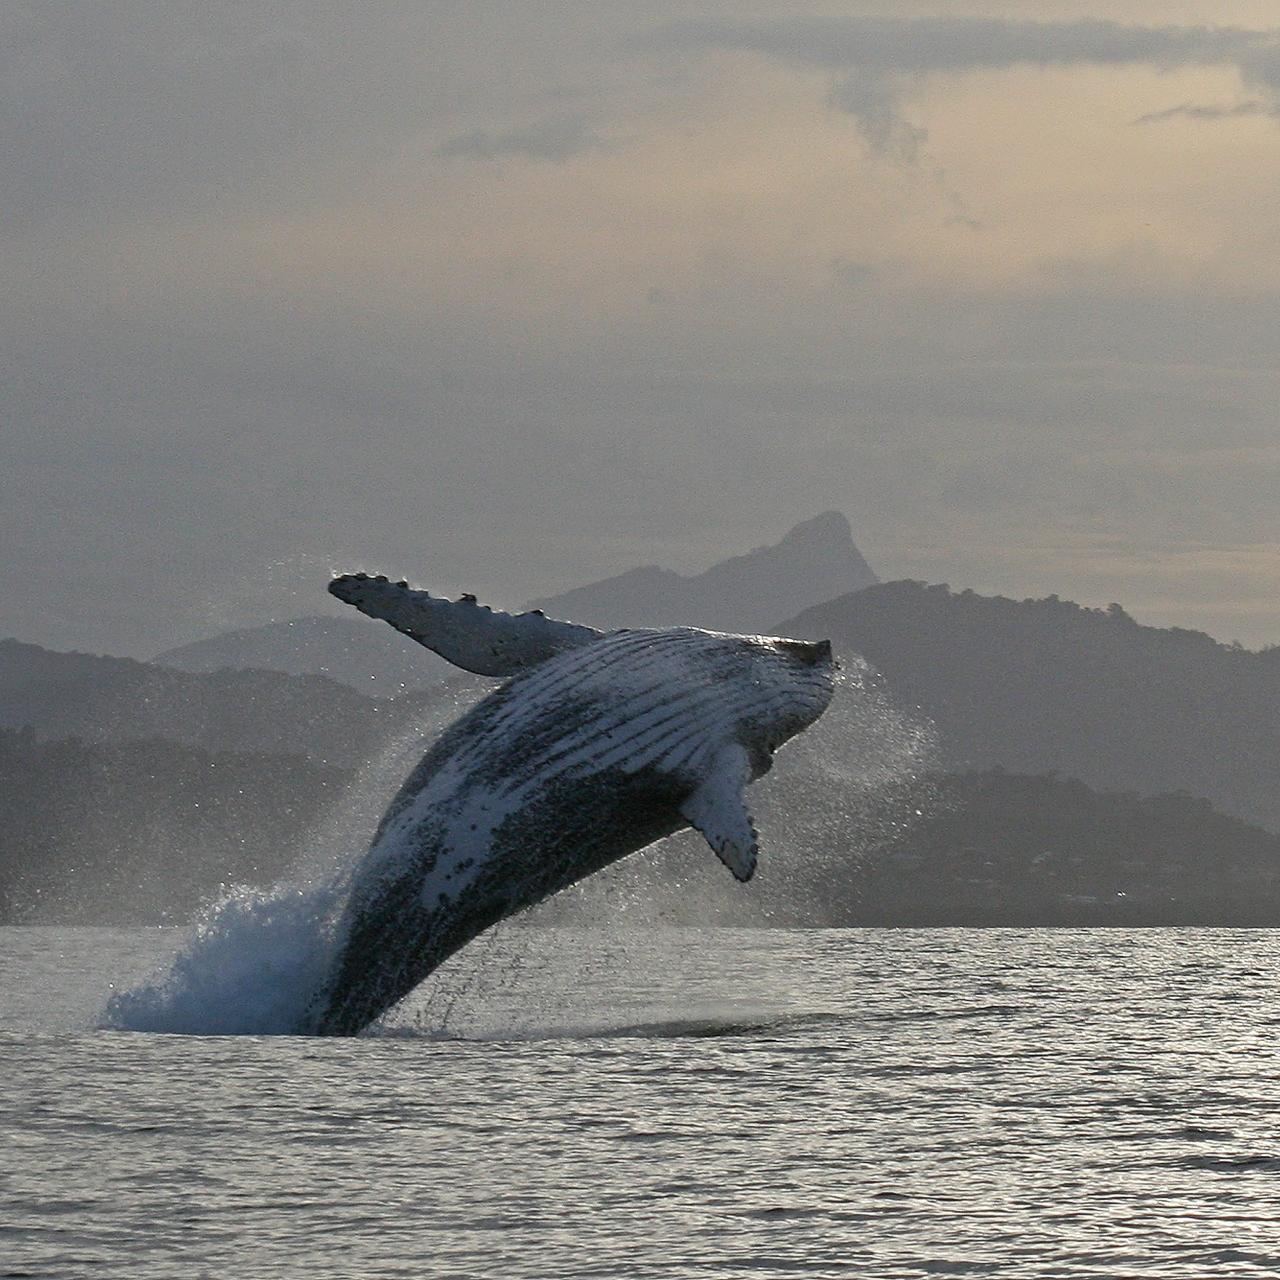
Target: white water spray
column 256, row 958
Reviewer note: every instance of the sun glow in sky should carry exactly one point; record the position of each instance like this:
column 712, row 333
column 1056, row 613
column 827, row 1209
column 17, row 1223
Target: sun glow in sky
column 508, row 298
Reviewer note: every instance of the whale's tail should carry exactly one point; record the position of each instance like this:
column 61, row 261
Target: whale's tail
column 470, row 635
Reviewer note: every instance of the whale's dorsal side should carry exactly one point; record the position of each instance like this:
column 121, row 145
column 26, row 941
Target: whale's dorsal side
column 470, row 635
column 717, row 807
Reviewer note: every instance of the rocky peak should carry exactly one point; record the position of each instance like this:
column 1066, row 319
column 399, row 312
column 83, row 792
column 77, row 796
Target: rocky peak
column 814, row 562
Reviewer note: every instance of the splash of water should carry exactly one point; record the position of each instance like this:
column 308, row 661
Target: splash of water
column 852, row 786
column 252, row 966
column 257, row 958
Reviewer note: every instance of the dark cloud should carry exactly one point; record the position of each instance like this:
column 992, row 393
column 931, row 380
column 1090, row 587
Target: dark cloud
column 108, row 109
column 557, row 138
column 874, row 56
column 913, row 45
column 871, row 99
column 851, row 274
column 1260, row 66
column 1190, row 111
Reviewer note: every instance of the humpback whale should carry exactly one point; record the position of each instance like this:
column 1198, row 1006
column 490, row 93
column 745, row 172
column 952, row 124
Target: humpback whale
column 597, row 744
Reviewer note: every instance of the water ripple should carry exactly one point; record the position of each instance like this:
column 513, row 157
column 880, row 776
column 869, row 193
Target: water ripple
column 889, row 1104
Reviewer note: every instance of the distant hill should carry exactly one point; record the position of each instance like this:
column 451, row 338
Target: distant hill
column 975, row 849
column 370, row 657
column 144, row 832
column 815, row 561
column 749, row 593
column 1045, row 685
column 1037, row 688
column 997, row 848
column 102, row 699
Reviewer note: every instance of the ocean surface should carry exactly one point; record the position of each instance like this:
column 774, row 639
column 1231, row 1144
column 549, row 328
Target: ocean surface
column 661, row 1103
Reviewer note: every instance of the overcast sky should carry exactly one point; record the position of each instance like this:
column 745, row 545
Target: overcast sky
column 510, row 297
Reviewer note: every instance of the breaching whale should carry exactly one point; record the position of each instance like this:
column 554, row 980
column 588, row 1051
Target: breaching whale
column 597, row 745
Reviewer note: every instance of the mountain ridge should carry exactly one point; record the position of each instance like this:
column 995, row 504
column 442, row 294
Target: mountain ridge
column 744, row 593
column 1045, row 689
column 815, row 560
column 101, row 699
column 1048, row 685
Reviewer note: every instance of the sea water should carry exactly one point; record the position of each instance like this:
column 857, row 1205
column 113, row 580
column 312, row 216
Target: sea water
column 660, row 1103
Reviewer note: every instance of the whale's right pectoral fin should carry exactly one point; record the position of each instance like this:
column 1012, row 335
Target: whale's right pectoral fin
column 717, row 807
column 470, row 635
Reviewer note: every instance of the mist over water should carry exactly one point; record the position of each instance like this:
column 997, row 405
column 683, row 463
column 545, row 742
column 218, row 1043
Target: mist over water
column 852, row 783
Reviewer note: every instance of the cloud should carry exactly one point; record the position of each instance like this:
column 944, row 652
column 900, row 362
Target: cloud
column 918, row 45
column 1189, row 111
column 875, row 57
column 851, row 274
column 257, row 324
column 557, row 138
column 121, row 110
column 1260, row 66
column 870, row 98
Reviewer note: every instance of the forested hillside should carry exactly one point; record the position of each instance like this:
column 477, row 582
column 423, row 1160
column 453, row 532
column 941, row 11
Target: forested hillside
column 111, row 700
column 144, row 832
column 1041, row 685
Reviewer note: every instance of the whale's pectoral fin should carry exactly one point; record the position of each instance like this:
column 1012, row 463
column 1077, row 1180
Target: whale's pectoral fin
column 470, row 635
column 717, row 807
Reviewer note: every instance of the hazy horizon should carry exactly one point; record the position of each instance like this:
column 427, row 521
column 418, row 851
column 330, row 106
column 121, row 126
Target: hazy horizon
column 509, row 300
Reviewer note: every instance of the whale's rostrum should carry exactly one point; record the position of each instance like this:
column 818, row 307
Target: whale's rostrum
column 597, row 745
